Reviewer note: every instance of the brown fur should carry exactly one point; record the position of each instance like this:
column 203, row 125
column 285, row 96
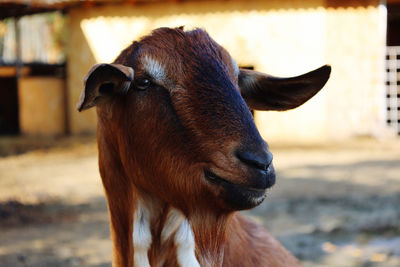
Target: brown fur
column 155, row 144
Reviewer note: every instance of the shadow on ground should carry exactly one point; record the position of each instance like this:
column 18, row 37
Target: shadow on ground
column 54, row 234
column 329, row 207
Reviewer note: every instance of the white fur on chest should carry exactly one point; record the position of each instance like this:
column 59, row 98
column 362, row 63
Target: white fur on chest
column 176, row 226
column 141, row 236
column 185, row 245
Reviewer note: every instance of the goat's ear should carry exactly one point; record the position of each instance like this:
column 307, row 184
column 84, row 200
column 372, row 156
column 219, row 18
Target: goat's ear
column 104, row 80
column 264, row 92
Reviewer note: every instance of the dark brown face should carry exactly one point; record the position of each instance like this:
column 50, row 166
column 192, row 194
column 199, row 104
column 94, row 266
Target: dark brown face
column 187, row 133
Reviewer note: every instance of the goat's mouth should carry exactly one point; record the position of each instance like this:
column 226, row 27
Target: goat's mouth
column 237, row 196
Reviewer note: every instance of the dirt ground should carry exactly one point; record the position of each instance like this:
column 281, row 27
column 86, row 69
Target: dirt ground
column 333, row 205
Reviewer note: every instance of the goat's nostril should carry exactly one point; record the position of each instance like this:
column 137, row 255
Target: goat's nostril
column 259, row 161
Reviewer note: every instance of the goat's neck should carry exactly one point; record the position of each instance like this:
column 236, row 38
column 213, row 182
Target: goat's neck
column 158, row 228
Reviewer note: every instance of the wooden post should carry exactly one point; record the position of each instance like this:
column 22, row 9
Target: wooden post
column 18, row 63
column 18, row 51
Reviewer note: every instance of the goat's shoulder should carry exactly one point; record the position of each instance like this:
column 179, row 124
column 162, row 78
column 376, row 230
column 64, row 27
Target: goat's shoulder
column 250, row 244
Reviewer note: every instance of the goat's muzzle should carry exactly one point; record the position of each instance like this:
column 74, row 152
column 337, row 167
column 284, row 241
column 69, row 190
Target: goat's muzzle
column 251, row 191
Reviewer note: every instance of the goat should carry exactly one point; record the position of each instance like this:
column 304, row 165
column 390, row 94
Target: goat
column 179, row 152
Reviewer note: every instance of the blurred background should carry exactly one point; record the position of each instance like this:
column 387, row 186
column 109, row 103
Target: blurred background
column 337, row 197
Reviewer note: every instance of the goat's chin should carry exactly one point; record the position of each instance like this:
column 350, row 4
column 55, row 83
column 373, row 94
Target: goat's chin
column 239, row 198
column 234, row 196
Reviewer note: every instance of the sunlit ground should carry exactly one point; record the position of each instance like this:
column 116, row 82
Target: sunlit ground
column 331, row 206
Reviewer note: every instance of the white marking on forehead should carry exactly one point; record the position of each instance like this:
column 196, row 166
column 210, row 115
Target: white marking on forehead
column 185, row 246
column 141, row 236
column 154, row 68
column 235, row 67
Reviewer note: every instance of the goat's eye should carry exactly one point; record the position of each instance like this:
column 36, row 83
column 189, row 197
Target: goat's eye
column 143, row 84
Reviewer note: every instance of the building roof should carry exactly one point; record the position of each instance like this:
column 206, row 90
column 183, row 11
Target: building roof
column 17, row 8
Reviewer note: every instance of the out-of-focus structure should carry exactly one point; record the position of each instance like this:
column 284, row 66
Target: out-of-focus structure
column 42, row 67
